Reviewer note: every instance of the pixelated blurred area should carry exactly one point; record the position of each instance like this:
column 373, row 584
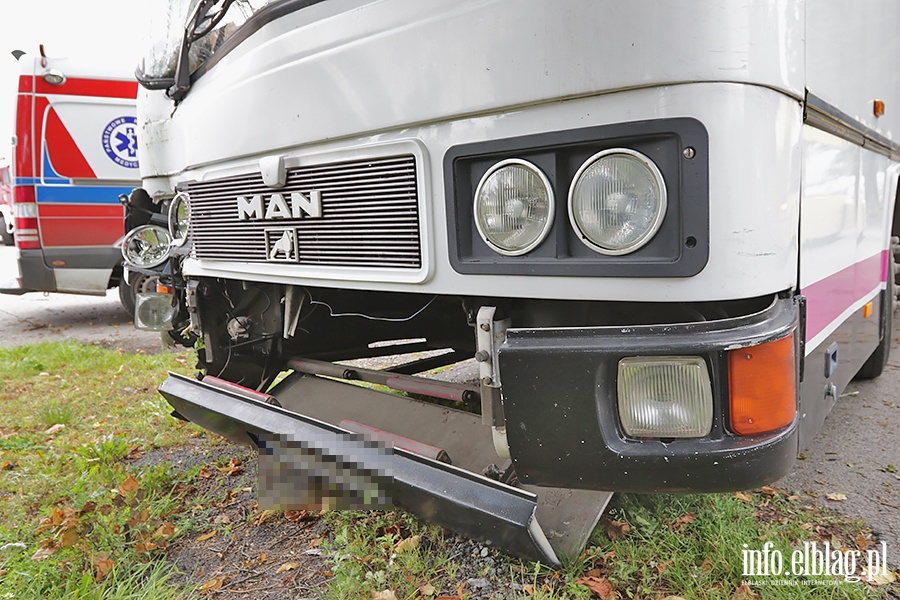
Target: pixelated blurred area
column 326, row 471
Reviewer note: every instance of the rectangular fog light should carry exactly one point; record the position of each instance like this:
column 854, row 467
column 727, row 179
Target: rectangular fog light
column 665, row 397
column 153, row 311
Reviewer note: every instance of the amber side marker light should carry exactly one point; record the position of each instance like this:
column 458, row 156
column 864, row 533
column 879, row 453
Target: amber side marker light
column 763, row 387
column 867, row 309
column 164, row 289
column 878, row 108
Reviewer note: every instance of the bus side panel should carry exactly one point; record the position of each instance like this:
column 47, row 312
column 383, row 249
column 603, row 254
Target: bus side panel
column 844, row 259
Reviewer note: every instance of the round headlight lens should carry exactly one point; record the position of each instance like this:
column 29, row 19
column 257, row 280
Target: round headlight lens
column 617, row 201
column 179, row 218
column 513, row 207
column 146, row 246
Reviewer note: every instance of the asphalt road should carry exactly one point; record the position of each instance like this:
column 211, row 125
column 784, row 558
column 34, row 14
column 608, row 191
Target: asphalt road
column 38, row 317
column 857, row 454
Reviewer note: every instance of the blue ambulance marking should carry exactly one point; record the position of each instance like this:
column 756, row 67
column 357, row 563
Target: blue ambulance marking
column 49, row 173
column 120, row 141
column 86, row 194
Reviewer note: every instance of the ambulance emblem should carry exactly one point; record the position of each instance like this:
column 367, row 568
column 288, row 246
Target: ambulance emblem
column 120, row 141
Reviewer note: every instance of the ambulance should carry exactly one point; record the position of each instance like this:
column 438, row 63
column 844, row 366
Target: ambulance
column 74, row 155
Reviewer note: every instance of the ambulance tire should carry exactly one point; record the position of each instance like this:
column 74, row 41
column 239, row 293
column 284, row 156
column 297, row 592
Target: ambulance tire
column 6, row 237
column 876, row 363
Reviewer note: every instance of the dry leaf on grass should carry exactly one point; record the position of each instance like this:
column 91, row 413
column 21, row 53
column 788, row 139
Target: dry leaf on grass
column 213, row 584
column 743, row 496
column 615, row 530
column 682, row 522
column 129, row 485
column 878, row 576
column 384, row 595
column 410, row 543
column 55, row 429
column 744, row 593
column 288, row 566
column 427, row 590
column 599, row 586
column 207, row 536
column 836, row 497
column 103, row 565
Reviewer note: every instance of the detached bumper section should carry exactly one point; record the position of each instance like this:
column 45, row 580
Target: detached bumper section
column 564, row 426
column 305, row 450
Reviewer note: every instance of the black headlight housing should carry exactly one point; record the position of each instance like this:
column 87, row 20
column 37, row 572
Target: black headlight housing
column 680, row 248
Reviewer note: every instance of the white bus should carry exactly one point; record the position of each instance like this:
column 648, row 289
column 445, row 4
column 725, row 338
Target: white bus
column 661, row 229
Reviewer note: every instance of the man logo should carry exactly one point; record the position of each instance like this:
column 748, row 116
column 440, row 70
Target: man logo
column 266, row 208
column 282, row 242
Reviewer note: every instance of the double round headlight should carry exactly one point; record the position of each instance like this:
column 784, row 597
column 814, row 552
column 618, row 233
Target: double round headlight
column 513, row 207
column 617, row 201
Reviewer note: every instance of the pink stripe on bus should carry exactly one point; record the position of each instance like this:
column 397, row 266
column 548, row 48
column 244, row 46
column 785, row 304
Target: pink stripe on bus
column 828, row 298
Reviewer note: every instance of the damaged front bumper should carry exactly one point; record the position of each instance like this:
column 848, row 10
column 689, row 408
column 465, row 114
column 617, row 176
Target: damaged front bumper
column 561, row 407
column 298, row 450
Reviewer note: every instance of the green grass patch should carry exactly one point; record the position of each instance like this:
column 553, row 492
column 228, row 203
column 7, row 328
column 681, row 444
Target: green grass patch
column 76, row 519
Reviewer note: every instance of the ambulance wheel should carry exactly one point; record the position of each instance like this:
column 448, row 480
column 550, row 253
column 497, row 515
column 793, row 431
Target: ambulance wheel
column 6, row 237
column 141, row 284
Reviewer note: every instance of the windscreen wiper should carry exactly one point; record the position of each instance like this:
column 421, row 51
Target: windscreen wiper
column 203, row 21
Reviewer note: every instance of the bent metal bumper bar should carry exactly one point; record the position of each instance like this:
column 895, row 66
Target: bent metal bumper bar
column 452, row 497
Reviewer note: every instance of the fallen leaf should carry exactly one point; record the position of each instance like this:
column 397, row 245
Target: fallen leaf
column 207, row 536
column 706, row 565
column 43, row 554
column 289, row 566
column 384, row 595
column 743, row 496
column 744, row 593
column 769, row 491
column 836, row 497
column 682, row 522
column 266, row 515
column 661, row 567
column 232, row 468
column 878, row 576
column 8, row 465
column 167, row 529
column 69, row 538
column 598, row 585
column 130, row 485
column 213, row 584
column 615, row 530
column 427, row 590
column 204, row 473
column 528, row 589
column 103, row 565
column 55, row 429
column 142, row 547
column 410, row 543
column 222, row 519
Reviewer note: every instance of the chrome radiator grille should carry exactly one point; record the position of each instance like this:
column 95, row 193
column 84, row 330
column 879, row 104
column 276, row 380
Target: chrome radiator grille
column 369, row 216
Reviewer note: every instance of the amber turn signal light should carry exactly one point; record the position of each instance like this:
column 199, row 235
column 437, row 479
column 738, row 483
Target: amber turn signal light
column 762, row 387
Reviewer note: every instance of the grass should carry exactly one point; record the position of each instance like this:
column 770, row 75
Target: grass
column 75, row 520
column 79, row 520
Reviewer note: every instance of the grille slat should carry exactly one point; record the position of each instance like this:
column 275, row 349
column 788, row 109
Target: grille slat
column 370, row 217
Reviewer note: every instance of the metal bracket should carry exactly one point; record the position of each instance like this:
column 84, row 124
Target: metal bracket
column 490, row 334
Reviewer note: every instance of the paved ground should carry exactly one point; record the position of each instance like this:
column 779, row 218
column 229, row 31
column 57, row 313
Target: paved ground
column 38, row 317
column 853, row 455
column 857, row 454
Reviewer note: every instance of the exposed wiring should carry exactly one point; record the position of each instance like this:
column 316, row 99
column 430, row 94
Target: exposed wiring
column 331, row 312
